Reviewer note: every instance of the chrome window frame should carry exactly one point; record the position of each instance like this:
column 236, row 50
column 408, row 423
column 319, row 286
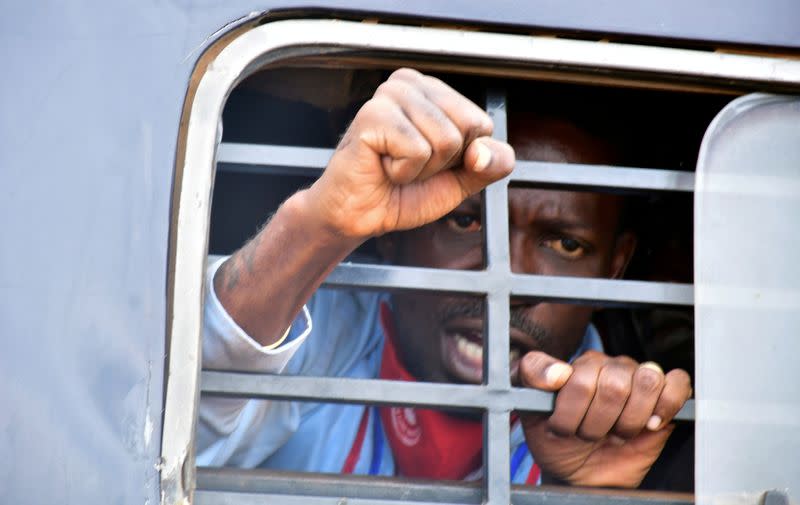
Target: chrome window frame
column 276, row 41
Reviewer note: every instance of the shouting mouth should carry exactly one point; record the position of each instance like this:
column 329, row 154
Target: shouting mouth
column 462, row 350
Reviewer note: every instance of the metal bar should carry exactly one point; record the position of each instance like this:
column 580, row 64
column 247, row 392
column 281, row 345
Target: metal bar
column 216, row 486
column 351, row 486
column 588, row 177
column 498, row 259
column 497, row 452
column 496, row 457
column 595, row 291
column 310, row 161
column 228, row 498
column 373, row 391
column 349, row 275
column 601, row 291
column 542, row 287
column 274, row 155
column 381, row 392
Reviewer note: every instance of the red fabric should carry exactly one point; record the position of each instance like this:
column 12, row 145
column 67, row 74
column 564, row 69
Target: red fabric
column 426, row 443
column 533, row 475
column 355, row 451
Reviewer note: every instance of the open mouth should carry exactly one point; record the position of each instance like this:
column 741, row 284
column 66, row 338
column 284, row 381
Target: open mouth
column 462, row 350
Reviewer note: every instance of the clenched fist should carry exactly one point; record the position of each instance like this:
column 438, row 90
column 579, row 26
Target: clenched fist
column 413, row 153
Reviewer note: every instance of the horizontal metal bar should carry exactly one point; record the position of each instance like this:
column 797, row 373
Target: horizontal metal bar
column 230, row 498
column 543, row 287
column 593, row 291
column 382, row 392
column 596, row 291
column 310, row 161
column 229, row 486
column 270, row 155
column 597, row 177
column 373, row 391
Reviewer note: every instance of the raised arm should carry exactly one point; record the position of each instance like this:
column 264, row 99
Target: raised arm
column 411, row 155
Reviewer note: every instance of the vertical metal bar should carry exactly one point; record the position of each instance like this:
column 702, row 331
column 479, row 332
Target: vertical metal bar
column 496, row 253
column 496, row 457
column 496, row 453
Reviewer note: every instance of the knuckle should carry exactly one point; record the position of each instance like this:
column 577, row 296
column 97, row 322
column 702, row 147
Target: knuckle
column 626, row 362
column 648, row 381
column 593, row 355
column 392, row 88
column 405, row 73
column 475, row 123
column 584, row 385
column 613, row 386
column 420, row 150
column 373, row 109
column 448, row 143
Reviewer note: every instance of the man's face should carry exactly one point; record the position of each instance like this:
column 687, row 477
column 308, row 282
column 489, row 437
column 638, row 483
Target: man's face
column 564, row 233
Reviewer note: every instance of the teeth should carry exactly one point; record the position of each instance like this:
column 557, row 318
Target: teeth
column 475, row 352
column 470, row 349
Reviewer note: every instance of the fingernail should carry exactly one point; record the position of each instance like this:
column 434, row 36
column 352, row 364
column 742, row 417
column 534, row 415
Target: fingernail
column 652, row 365
column 557, row 373
column 484, row 157
column 653, row 423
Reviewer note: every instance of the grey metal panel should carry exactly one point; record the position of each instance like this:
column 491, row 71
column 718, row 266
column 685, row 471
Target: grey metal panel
column 218, row 486
column 310, row 161
column 91, row 96
column 747, row 312
column 383, row 392
column 770, row 22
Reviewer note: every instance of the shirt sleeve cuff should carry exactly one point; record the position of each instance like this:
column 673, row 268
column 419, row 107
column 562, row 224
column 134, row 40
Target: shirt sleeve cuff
column 227, row 346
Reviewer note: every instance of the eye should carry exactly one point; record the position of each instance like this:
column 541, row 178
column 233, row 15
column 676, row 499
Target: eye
column 463, row 223
column 566, row 247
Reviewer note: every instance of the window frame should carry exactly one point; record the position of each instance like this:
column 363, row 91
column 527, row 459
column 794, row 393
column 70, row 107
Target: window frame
column 239, row 56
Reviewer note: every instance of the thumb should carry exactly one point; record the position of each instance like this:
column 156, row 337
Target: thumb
column 542, row 371
column 486, row 160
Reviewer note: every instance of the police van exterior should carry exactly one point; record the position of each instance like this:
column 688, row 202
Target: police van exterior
column 113, row 133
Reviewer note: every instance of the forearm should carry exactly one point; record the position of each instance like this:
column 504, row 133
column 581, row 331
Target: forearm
column 265, row 283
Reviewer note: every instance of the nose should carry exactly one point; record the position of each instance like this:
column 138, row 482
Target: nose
column 522, row 258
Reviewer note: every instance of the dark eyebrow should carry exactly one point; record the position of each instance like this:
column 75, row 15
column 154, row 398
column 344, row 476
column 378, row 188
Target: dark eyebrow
column 560, row 223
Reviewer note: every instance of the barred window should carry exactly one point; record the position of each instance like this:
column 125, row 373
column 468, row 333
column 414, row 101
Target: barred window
column 279, row 127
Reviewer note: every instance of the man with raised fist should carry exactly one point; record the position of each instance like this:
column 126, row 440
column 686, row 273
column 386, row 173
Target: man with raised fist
column 408, row 172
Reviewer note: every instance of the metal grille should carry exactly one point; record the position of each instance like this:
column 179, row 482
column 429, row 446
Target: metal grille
column 496, row 397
